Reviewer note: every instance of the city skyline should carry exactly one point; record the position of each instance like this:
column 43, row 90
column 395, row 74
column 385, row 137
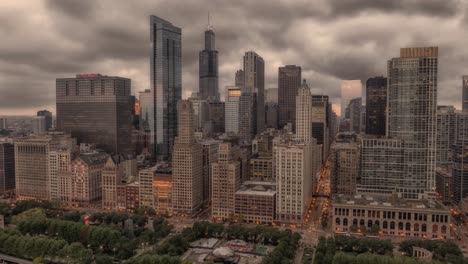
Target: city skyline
column 120, row 49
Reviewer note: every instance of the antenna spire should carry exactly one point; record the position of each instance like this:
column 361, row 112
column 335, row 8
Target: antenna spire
column 210, row 27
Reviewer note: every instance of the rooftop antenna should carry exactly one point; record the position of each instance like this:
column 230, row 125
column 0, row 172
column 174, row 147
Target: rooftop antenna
column 210, row 27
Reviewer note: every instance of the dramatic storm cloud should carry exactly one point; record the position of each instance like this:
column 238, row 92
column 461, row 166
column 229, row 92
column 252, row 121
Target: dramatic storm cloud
column 331, row 39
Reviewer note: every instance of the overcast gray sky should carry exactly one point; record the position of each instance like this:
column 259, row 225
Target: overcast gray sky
column 41, row 40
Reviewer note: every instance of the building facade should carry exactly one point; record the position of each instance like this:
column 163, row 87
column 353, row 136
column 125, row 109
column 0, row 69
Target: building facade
column 48, row 118
column 289, row 81
column 446, row 131
column 226, row 179
column 208, row 68
column 248, row 116
column 376, row 105
column 254, row 78
column 233, row 95
column 166, row 84
column 345, row 167
column 354, row 107
column 255, row 202
column 210, row 155
column 96, row 109
column 7, row 168
column 187, row 196
column 394, row 217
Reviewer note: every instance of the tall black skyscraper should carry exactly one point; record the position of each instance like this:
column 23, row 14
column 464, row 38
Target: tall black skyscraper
column 208, row 68
column 96, row 109
column 289, row 81
column 166, row 85
column 376, row 105
column 48, row 118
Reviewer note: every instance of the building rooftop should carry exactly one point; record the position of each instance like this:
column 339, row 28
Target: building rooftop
column 94, row 158
column 257, row 188
column 390, row 202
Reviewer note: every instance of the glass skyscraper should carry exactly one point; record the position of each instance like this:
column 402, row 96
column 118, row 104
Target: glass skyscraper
column 166, row 85
column 96, row 109
column 208, row 68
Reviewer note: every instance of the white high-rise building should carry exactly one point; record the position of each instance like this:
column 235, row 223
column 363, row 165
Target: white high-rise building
column 293, row 170
column 304, row 113
column 38, row 124
column 233, row 94
column 187, row 161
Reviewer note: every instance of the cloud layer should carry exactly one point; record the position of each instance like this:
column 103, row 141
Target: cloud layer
column 331, row 39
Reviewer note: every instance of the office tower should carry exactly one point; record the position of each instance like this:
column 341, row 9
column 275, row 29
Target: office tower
column 233, row 94
column 254, row 78
column 255, row 202
column 376, row 105
column 354, row 107
column 3, row 123
column 239, row 79
column 289, row 81
column 200, row 112
column 349, row 89
column 187, row 165
column 412, row 105
column 261, row 162
column 208, row 68
column 210, row 155
column 38, row 125
column 304, row 113
column 216, row 116
column 465, row 93
column 146, row 108
column 271, row 95
column 96, row 109
column 444, row 184
column 86, row 179
column 48, row 118
column 247, row 116
column 293, row 171
column 145, row 177
column 320, row 122
column 226, row 180
column 446, row 131
column 32, row 163
column 7, row 168
column 458, row 155
column 271, row 112
column 345, row 166
column 166, row 84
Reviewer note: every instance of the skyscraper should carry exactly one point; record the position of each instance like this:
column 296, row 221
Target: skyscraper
column 355, row 106
column 412, row 106
column 96, row 109
column 233, row 94
column 446, row 131
column 187, row 164
column 3, row 123
column 208, row 67
column 289, row 81
column 166, row 84
column 410, row 150
column 7, row 167
column 239, row 79
column 247, row 116
column 254, row 78
column 465, row 93
column 304, row 113
column 376, row 105
column 226, row 180
column 48, row 118
column 320, row 120
column 459, row 170
column 349, row 89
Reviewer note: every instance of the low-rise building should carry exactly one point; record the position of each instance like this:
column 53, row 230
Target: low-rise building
column 255, row 202
column 391, row 216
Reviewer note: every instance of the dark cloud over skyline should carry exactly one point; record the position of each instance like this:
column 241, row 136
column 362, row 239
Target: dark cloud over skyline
column 330, row 39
